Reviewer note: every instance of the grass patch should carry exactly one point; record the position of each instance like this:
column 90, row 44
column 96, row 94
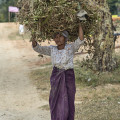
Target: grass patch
column 102, row 109
column 87, row 77
column 99, row 103
column 41, row 79
column 47, row 64
column 45, row 107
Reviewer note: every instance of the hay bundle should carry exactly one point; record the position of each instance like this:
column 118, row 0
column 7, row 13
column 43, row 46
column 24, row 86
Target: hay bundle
column 44, row 17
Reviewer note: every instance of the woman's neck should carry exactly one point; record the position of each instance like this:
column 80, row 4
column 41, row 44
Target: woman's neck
column 60, row 47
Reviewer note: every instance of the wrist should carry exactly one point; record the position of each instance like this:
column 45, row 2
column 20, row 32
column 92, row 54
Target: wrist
column 80, row 26
column 34, row 43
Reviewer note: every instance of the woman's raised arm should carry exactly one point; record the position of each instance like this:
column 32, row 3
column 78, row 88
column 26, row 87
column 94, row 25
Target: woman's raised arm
column 80, row 41
column 81, row 35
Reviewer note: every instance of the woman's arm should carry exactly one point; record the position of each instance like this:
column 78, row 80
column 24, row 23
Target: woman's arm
column 45, row 50
column 81, row 35
column 80, row 41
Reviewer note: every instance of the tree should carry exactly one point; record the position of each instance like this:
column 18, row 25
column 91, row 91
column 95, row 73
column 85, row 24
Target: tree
column 4, row 10
column 118, row 7
column 103, row 46
column 113, row 4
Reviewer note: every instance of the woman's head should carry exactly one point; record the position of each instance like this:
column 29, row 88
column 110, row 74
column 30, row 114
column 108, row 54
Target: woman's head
column 61, row 37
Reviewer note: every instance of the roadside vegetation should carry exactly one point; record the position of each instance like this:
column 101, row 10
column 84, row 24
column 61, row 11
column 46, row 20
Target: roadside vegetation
column 97, row 95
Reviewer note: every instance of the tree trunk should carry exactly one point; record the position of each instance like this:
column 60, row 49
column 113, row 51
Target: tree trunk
column 104, row 42
column 103, row 39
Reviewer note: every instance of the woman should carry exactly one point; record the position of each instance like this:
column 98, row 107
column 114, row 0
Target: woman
column 62, row 80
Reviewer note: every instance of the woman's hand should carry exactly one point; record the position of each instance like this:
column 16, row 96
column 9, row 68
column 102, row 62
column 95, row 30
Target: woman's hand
column 34, row 43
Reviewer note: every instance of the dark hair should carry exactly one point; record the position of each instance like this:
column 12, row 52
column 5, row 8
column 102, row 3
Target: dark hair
column 55, row 34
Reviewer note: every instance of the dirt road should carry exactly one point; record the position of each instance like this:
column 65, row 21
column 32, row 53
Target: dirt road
column 19, row 99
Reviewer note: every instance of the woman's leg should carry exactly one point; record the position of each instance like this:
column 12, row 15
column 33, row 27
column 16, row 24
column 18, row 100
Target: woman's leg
column 71, row 90
column 58, row 99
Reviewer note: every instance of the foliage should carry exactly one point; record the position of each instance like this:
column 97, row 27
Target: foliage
column 113, row 4
column 88, row 77
column 4, row 10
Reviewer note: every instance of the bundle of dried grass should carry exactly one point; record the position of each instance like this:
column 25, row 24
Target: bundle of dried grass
column 45, row 17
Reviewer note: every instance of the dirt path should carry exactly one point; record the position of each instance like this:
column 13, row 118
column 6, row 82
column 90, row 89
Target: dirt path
column 19, row 99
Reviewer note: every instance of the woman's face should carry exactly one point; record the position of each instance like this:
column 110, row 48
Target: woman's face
column 59, row 39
